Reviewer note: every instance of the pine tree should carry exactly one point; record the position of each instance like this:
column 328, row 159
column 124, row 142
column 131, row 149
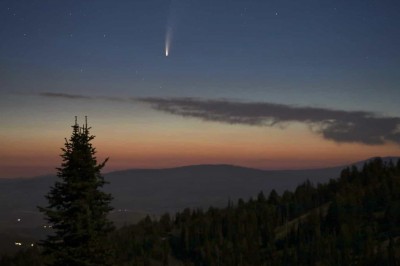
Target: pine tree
column 77, row 207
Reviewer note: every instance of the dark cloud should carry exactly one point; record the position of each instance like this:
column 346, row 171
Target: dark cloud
column 337, row 125
column 63, row 95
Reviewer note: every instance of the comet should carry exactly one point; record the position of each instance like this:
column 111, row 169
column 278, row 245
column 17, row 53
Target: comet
column 176, row 9
column 168, row 40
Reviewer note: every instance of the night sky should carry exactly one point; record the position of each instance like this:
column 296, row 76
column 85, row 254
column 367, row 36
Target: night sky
column 265, row 84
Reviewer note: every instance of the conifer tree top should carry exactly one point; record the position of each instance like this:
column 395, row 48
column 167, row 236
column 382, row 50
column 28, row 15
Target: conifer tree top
column 78, row 207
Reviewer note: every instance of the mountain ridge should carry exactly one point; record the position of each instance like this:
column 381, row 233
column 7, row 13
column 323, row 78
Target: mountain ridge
column 357, row 163
column 138, row 192
column 170, row 189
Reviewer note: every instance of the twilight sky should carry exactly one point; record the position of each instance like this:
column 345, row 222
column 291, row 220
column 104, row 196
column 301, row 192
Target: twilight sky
column 266, row 84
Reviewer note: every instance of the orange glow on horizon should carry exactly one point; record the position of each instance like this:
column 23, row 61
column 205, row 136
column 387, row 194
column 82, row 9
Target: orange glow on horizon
column 157, row 146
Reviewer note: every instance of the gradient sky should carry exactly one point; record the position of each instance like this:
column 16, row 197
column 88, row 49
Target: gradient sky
column 266, row 84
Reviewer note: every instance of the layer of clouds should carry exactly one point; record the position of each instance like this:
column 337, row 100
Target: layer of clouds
column 336, row 125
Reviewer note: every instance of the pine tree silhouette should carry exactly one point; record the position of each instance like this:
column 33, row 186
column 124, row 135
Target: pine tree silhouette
column 77, row 207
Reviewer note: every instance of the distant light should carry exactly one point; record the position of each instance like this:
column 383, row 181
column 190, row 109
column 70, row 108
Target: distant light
column 18, row 243
column 19, row 220
column 32, row 245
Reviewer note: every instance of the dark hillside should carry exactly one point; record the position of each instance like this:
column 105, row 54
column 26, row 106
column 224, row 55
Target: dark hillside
column 352, row 220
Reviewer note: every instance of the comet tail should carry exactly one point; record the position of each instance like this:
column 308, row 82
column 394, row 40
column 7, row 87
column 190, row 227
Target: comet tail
column 168, row 40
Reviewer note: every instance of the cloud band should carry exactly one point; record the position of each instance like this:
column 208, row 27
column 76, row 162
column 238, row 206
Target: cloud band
column 336, row 125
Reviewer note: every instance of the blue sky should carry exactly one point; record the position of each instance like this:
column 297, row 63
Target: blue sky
column 340, row 55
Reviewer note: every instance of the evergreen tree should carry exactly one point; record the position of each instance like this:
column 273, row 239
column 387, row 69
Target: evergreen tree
column 77, row 207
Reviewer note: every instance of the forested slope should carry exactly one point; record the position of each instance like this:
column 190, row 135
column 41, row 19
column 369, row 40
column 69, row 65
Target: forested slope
column 354, row 219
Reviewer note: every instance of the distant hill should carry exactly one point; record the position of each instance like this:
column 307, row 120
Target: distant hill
column 159, row 190
column 138, row 192
column 351, row 220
